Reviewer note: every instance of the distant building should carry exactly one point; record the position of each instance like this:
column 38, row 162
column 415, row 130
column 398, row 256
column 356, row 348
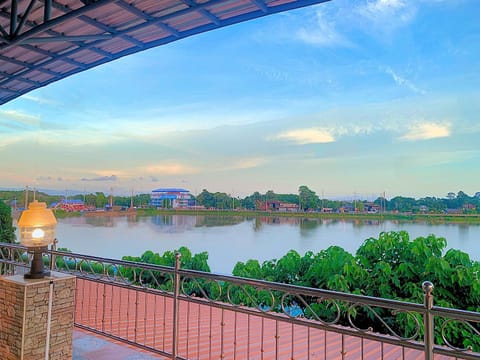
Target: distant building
column 371, row 208
column 171, row 198
column 275, row 205
column 470, row 207
column 70, row 205
column 288, row 207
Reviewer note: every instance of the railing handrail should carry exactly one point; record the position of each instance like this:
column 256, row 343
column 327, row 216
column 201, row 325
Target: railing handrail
column 363, row 299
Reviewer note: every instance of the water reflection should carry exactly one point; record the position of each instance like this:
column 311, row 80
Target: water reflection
column 173, row 223
column 183, row 223
column 101, row 221
column 231, row 239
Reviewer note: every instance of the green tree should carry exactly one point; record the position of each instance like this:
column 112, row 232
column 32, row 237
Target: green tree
column 7, row 231
column 101, row 200
column 308, row 199
column 206, row 199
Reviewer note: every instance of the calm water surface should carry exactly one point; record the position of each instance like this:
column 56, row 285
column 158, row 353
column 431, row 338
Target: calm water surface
column 231, row 239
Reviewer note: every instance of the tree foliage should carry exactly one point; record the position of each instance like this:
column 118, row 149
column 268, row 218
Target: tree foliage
column 7, row 231
column 392, row 267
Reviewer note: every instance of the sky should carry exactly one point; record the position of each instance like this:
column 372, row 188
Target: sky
column 349, row 97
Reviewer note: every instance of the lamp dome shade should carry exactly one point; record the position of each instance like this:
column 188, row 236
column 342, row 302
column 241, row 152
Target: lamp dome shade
column 37, row 225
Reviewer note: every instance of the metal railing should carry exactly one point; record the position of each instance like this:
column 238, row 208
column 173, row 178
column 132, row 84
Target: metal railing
column 186, row 314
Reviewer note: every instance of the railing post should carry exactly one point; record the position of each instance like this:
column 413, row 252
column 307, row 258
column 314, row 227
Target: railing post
column 428, row 336
column 53, row 247
column 11, row 269
column 176, row 290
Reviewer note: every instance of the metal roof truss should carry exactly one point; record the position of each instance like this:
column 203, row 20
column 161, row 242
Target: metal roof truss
column 42, row 41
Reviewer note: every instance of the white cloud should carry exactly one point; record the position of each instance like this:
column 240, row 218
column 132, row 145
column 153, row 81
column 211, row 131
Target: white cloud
column 427, row 130
column 322, row 32
column 18, row 117
column 247, row 163
column 306, row 136
column 170, row 169
column 386, row 15
column 38, row 99
column 401, row 81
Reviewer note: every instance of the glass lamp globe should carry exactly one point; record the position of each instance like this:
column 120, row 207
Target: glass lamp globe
column 37, row 230
column 37, row 225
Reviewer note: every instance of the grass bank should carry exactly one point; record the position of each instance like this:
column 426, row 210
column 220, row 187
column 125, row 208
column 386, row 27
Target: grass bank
column 431, row 218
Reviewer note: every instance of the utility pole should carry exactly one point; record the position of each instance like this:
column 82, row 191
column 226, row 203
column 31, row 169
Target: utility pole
column 323, row 197
column 131, row 200
column 26, row 198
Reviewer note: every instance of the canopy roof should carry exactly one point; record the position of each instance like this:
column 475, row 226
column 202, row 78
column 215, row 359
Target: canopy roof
column 42, row 41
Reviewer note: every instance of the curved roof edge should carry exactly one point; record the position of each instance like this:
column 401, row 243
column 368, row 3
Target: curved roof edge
column 44, row 41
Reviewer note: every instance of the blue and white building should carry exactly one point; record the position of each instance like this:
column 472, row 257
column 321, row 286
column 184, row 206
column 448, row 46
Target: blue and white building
column 171, row 198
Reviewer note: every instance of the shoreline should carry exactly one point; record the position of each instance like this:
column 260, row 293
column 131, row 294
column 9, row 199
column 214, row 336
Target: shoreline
column 431, row 218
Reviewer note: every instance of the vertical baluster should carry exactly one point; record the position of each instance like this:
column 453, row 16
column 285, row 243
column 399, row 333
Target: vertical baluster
column 119, row 310
column 248, row 335
column 135, row 320
column 277, row 336
column 222, row 334
column 53, row 247
column 199, row 331
column 176, row 290
column 325, row 344
column 292, row 347
column 235, row 337
column 361, row 346
column 95, row 312
column 104, row 296
column 210, row 333
column 155, row 321
column 308, row 343
column 262, row 350
column 145, row 306
column 128, row 312
column 188, row 329
column 111, row 308
column 427, row 287
column 164, row 321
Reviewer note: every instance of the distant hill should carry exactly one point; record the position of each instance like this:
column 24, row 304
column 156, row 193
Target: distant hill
column 51, row 192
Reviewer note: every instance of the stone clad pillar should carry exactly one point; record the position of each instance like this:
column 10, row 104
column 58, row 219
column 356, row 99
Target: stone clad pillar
column 36, row 315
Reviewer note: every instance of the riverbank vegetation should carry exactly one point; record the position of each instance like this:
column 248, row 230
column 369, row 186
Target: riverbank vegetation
column 430, row 218
column 7, row 231
column 306, row 200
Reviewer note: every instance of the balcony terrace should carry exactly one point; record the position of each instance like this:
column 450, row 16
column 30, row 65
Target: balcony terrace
column 182, row 314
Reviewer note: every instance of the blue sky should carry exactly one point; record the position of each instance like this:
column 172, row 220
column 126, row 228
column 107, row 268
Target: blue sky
column 347, row 97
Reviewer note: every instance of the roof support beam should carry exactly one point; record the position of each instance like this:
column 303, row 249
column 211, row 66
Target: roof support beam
column 54, row 22
column 13, row 17
column 24, row 18
column 4, row 33
column 48, row 39
column 204, row 12
column 47, row 10
column 141, row 14
column 261, row 5
column 28, row 81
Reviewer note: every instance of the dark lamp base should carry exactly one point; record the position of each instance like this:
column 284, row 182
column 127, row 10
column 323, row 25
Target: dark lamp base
column 36, row 275
column 37, row 270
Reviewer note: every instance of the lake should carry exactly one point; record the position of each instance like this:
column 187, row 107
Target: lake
column 231, row 239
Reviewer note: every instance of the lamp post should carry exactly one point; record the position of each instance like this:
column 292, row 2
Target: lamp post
column 37, row 231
